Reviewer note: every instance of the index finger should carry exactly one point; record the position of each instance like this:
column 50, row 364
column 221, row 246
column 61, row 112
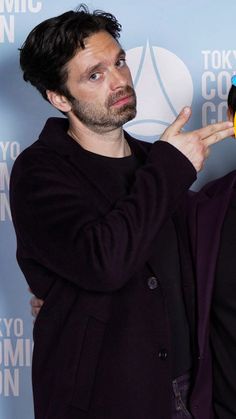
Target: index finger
column 218, row 136
column 212, row 129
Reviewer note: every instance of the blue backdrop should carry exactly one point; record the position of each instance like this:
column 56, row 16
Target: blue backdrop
column 180, row 53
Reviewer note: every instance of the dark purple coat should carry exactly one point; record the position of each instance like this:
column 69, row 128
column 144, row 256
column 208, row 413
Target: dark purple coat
column 206, row 214
column 88, row 252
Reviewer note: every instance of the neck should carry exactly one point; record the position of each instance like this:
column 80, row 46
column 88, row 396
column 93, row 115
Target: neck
column 109, row 144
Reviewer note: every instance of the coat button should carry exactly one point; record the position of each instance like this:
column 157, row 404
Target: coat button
column 163, row 354
column 152, row 282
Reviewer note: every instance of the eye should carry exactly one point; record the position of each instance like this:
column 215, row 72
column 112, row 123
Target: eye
column 121, row 62
column 95, row 76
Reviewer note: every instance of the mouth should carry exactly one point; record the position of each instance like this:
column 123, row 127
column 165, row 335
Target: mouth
column 123, row 101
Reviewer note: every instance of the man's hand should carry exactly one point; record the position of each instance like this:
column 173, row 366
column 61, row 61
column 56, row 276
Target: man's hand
column 36, row 305
column 195, row 144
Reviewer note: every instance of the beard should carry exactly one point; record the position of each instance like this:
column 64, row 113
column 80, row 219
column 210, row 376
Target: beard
column 105, row 118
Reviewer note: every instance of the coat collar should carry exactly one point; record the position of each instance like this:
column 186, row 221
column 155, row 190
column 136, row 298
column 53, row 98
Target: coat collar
column 54, row 135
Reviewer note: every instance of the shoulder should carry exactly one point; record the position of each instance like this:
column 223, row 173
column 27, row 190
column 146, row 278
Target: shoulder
column 36, row 165
column 31, row 156
column 220, row 185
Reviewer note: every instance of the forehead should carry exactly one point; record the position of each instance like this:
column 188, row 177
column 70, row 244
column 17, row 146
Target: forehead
column 100, row 48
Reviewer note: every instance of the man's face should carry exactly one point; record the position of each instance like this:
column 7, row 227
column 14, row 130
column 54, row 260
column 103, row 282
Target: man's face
column 100, row 82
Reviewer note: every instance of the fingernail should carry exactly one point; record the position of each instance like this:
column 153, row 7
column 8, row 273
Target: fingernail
column 186, row 110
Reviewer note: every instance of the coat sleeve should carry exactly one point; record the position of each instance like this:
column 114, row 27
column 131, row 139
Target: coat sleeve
column 56, row 227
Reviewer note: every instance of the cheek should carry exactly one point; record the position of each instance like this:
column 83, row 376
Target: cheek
column 90, row 95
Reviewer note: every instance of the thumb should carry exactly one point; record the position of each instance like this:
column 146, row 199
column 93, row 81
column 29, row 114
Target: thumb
column 180, row 121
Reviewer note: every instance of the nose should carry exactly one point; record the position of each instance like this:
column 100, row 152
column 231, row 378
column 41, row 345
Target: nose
column 118, row 79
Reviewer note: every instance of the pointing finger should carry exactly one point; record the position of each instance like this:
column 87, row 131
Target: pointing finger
column 218, row 136
column 213, row 128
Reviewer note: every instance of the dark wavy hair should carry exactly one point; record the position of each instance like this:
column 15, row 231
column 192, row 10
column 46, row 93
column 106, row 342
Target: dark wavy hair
column 232, row 99
column 51, row 44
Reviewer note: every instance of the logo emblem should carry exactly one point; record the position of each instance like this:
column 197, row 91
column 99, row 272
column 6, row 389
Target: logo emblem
column 163, row 85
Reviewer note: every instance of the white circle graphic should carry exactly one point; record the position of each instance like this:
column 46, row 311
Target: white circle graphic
column 163, row 85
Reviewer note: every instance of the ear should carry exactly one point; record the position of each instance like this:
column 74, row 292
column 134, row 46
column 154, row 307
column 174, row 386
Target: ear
column 58, row 101
column 230, row 116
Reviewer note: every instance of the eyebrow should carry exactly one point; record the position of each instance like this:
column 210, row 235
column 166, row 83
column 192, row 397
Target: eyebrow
column 94, row 68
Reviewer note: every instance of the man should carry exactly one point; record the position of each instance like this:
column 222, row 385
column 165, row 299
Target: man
column 211, row 215
column 95, row 213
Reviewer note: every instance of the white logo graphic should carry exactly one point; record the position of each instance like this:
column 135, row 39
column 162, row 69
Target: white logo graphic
column 163, row 86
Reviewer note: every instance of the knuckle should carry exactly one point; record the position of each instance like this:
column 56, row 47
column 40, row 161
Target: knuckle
column 196, row 137
column 218, row 136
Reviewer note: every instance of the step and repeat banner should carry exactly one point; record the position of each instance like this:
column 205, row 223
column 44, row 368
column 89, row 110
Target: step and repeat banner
column 180, row 53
